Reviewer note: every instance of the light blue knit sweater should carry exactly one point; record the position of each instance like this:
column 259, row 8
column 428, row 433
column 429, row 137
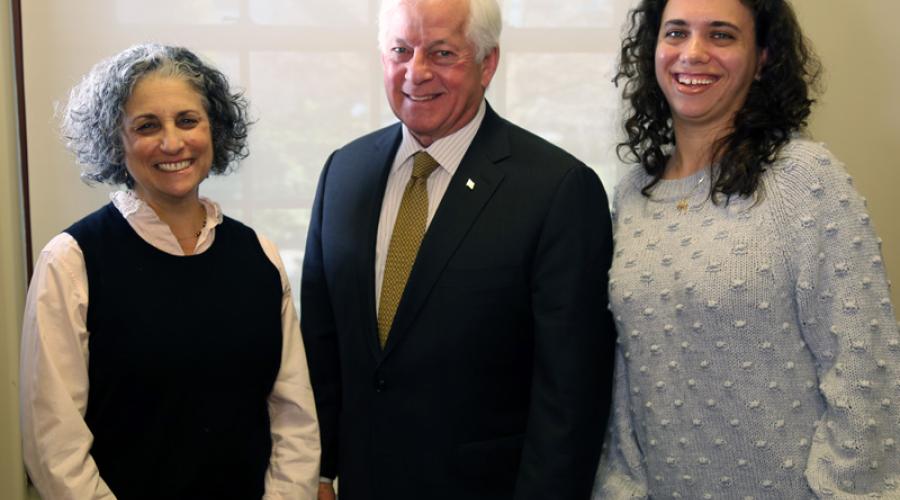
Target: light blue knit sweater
column 759, row 354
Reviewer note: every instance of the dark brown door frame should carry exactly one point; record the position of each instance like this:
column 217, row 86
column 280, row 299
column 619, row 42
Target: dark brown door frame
column 23, row 132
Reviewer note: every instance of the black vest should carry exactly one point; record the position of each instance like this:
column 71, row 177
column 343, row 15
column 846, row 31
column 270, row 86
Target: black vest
column 184, row 351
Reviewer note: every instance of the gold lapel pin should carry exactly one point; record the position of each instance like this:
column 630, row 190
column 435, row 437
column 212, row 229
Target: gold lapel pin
column 470, row 184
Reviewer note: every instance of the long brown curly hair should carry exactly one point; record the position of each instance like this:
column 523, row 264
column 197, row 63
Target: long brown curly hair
column 777, row 105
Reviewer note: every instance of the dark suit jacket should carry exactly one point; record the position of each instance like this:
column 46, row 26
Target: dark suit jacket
column 495, row 380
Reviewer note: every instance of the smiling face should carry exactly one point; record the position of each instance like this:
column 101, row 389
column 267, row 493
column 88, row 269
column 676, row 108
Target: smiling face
column 433, row 82
column 167, row 140
column 706, row 59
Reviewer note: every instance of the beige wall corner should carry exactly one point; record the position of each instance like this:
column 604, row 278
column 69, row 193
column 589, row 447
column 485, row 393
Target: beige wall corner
column 12, row 270
column 858, row 116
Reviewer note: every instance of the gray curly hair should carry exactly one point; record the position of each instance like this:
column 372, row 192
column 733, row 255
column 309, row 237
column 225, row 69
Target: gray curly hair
column 91, row 121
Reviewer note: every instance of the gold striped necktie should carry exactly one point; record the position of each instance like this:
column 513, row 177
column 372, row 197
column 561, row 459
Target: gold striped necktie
column 409, row 229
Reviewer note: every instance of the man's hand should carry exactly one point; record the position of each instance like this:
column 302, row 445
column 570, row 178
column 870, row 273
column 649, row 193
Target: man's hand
column 326, row 491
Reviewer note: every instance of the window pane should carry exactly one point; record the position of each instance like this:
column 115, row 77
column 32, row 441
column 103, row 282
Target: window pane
column 229, row 63
column 310, row 12
column 569, row 100
column 554, row 13
column 178, row 12
column 308, row 105
column 287, row 227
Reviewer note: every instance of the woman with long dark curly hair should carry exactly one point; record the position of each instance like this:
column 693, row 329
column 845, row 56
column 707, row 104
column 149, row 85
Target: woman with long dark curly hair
column 758, row 354
column 161, row 351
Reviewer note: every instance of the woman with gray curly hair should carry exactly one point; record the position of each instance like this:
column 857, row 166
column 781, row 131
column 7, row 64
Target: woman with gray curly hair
column 161, row 352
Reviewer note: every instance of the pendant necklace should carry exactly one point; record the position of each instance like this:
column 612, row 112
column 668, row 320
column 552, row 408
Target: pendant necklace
column 684, row 202
column 197, row 233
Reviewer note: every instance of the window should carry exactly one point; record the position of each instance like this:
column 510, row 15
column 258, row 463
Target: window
column 312, row 73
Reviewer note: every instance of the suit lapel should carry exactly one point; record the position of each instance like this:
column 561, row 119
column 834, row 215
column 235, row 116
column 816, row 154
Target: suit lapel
column 383, row 152
column 458, row 210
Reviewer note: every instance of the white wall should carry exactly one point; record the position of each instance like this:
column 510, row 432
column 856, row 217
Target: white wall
column 12, row 271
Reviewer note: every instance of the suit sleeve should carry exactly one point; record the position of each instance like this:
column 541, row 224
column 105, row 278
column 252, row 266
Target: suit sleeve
column 319, row 332
column 574, row 343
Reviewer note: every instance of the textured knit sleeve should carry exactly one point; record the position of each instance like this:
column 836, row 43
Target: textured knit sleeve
column 293, row 471
column 53, row 377
column 621, row 474
column 848, row 324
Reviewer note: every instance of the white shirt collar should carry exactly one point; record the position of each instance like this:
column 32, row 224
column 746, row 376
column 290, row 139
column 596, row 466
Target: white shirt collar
column 449, row 150
column 143, row 219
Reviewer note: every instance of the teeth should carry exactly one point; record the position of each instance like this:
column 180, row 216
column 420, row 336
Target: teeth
column 420, row 99
column 174, row 167
column 686, row 80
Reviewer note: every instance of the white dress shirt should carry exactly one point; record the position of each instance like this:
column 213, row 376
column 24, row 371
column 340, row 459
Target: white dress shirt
column 448, row 152
column 54, row 370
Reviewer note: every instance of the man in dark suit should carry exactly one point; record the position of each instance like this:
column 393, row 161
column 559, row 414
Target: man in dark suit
column 454, row 303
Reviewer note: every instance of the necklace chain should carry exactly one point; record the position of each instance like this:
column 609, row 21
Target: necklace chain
column 684, row 202
column 196, row 234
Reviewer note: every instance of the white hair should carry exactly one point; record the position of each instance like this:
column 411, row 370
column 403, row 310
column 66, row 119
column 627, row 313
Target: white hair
column 482, row 28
